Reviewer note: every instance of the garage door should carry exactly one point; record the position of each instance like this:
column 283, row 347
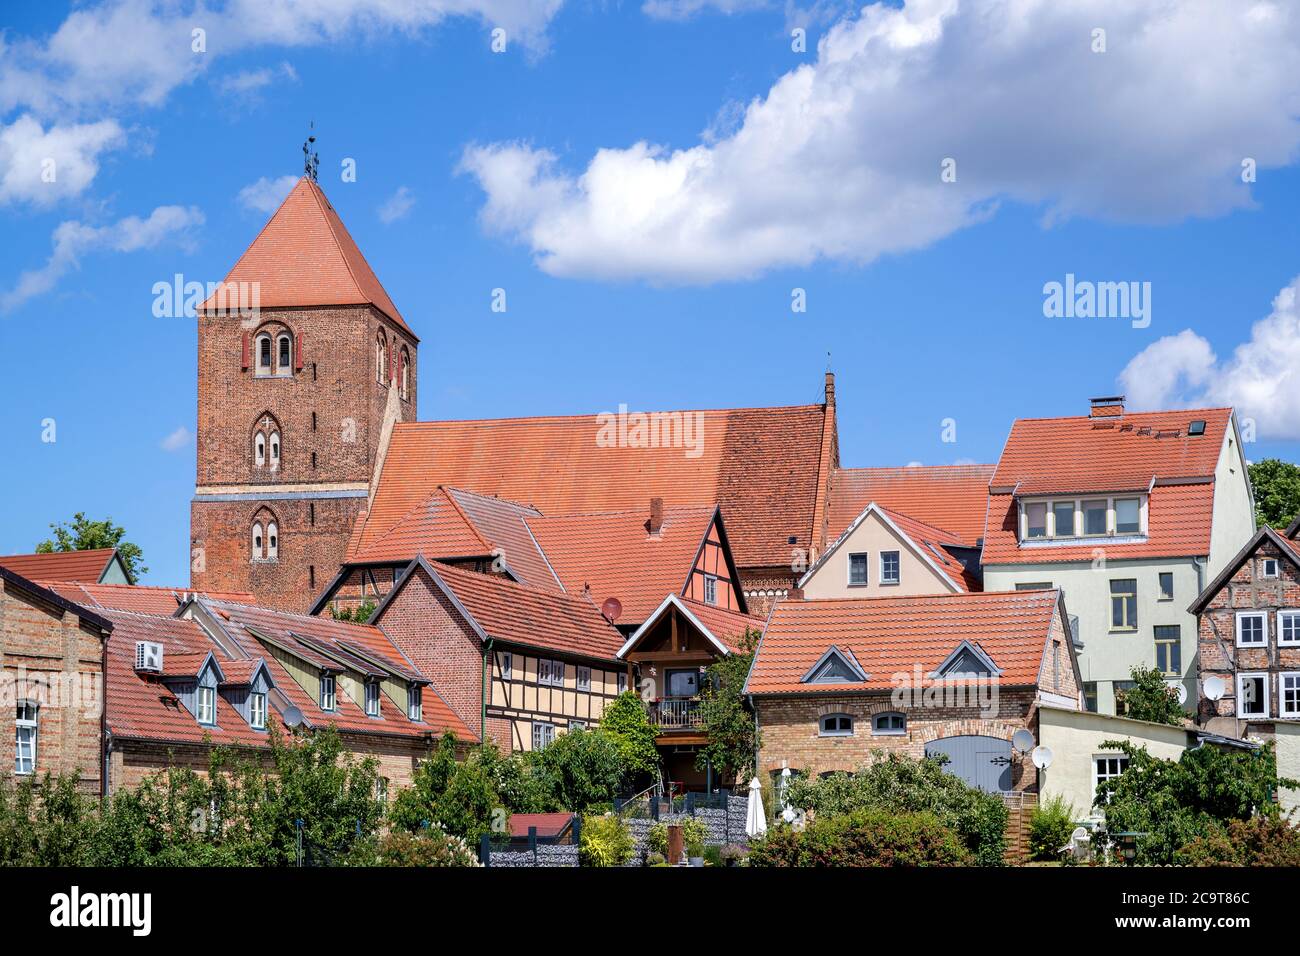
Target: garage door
column 983, row 762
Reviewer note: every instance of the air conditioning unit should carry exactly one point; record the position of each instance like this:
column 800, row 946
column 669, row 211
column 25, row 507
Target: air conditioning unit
column 148, row 657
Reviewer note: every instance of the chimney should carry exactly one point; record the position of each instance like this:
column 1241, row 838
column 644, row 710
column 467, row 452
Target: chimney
column 656, row 522
column 830, row 388
column 1107, row 406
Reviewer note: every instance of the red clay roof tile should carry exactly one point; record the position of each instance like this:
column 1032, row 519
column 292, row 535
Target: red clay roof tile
column 83, row 566
column 953, row 497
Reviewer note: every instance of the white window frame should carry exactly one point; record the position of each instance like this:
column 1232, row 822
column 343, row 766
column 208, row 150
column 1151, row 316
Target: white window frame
column 1024, row 512
column 622, row 682
column 898, row 568
column 866, row 569
column 206, row 703
column 258, row 541
column 582, row 677
column 259, row 448
column 1263, row 628
column 1106, row 511
column 257, row 710
column 30, row 725
column 372, row 698
column 1240, row 696
column 1283, row 615
column 269, row 367
column 1293, row 713
column 1114, row 514
column 272, row 541
column 1263, row 568
column 1056, row 529
column 837, row 716
column 711, row 589
column 415, row 703
column 1121, row 760
column 878, row 731
column 381, row 789
column 273, row 450
column 328, row 693
column 284, row 346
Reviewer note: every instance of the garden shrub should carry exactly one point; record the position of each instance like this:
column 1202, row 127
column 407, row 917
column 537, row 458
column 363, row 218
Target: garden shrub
column 1050, row 827
column 863, row 838
column 1260, row 841
column 606, row 841
column 897, row 783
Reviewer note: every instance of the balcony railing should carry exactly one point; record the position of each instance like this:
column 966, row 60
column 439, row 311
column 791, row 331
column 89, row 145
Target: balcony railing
column 676, row 713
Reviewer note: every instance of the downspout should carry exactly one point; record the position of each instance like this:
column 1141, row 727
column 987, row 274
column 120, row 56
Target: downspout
column 482, row 697
column 756, row 747
column 104, row 743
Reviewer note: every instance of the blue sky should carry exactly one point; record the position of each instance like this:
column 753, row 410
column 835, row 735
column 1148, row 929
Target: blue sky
column 930, row 306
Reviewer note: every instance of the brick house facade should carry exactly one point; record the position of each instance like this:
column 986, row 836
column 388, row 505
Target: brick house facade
column 52, row 674
column 1248, row 632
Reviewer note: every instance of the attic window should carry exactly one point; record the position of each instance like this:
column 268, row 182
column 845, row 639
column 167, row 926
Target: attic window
column 1197, row 427
column 207, row 705
column 835, row 667
column 257, row 711
column 967, row 661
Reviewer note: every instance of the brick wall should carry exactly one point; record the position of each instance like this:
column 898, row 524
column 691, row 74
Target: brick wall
column 47, row 656
column 1218, row 654
column 431, row 632
column 329, row 415
column 790, row 731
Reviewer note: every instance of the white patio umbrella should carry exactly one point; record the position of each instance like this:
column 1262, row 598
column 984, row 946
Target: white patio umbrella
column 755, row 818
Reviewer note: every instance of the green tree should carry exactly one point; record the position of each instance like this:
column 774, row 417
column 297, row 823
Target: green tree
column 726, row 717
column 460, row 797
column 1277, row 492
column 355, row 615
column 1173, row 803
column 1151, row 699
column 627, row 723
column 863, row 838
column 82, row 534
column 579, row 770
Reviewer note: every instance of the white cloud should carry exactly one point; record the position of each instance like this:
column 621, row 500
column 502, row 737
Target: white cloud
column 396, row 206
column 248, row 82
column 176, row 440
column 72, row 240
column 841, row 158
column 41, row 165
column 685, row 9
column 1261, row 379
column 265, row 195
column 137, row 51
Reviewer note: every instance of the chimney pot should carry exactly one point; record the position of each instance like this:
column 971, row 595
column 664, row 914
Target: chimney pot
column 656, row 522
column 830, row 388
column 1107, row 406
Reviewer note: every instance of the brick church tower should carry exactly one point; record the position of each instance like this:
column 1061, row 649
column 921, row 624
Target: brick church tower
column 304, row 366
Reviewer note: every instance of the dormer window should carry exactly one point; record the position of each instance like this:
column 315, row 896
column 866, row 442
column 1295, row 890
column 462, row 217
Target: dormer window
column 1036, row 520
column 372, row 698
column 1082, row 517
column 415, row 709
column 257, row 711
column 835, row 667
column 1128, row 515
column 327, row 698
column 1094, row 517
column 207, row 705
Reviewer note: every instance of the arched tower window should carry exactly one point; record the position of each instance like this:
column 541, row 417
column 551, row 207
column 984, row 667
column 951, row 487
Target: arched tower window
column 257, row 541
column 275, row 450
column 406, row 374
column 284, row 355
column 272, row 542
column 381, row 359
column 259, row 448
column 264, row 354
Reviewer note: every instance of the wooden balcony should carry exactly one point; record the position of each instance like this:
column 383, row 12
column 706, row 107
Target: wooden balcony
column 676, row 714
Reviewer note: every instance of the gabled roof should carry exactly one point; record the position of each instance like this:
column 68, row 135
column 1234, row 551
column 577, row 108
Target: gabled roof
column 903, row 636
column 332, row 646
column 87, row 566
column 304, row 256
column 615, row 554
column 90, row 618
column 141, row 707
column 137, row 597
column 722, row 628
column 926, row 542
column 1083, row 454
column 1114, row 453
column 763, row 466
column 453, row 524
column 512, row 613
column 954, row 497
column 1286, row 547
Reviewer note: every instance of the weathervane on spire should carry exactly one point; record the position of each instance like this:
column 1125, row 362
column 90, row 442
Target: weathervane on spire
column 310, row 158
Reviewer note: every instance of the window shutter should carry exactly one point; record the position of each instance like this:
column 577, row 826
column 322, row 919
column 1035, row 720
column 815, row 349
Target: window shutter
column 297, row 358
column 244, row 359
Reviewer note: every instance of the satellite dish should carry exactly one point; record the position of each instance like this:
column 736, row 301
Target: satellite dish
column 1022, row 741
column 1215, row 688
column 292, row 717
column 1179, row 688
column 612, row 609
column 1042, row 757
